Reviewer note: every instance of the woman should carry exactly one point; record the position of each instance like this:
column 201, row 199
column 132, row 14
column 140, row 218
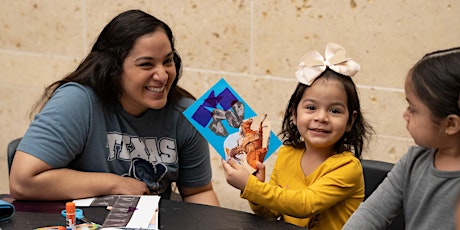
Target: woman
column 115, row 124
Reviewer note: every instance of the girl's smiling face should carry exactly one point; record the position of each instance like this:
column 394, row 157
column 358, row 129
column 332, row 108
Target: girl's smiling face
column 148, row 73
column 322, row 114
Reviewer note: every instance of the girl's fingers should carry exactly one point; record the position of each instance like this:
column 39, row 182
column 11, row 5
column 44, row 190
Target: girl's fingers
column 233, row 162
column 260, row 165
column 225, row 165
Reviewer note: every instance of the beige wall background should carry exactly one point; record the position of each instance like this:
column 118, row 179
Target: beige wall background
column 254, row 44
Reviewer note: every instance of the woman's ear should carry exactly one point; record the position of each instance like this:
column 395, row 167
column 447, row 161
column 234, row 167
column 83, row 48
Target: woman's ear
column 452, row 124
column 353, row 115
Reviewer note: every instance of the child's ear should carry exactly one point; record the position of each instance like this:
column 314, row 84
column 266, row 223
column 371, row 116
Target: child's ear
column 354, row 114
column 452, row 125
column 293, row 116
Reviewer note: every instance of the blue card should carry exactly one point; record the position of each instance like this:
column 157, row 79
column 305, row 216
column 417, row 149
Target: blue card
column 233, row 129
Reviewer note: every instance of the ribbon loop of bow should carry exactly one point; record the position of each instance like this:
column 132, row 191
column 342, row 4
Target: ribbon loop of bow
column 313, row 64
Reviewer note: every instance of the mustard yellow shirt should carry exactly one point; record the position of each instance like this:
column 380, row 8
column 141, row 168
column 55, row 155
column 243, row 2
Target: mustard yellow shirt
column 327, row 197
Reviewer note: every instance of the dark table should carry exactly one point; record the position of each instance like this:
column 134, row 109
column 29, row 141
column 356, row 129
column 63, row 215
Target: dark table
column 172, row 215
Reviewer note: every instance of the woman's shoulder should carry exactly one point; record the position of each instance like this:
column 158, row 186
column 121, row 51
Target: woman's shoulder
column 73, row 89
column 73, row 96
column 183, row 103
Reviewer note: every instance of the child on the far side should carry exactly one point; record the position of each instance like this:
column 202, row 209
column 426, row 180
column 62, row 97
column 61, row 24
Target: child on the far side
column 457, row 213
column 317, row 181
column 424, row 183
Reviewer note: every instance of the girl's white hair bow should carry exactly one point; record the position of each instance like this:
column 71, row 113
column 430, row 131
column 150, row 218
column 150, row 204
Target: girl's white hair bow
column 313, row 64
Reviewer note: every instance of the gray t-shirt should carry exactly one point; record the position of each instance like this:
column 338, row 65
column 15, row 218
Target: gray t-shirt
column 426, row 195
column 74, row 130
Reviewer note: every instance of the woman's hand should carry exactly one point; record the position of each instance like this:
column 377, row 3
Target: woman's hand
column 130, row 186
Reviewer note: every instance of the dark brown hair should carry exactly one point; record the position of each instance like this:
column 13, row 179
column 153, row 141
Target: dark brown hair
column 102, row 68
column 350, row 141
column 436, row 81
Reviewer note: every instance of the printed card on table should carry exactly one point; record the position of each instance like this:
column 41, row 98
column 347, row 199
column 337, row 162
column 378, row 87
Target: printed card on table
column 126, row 212
column 232, row 127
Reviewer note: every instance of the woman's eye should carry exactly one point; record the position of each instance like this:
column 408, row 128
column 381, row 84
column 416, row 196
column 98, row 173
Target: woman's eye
column 145, row 64
column 168, row 61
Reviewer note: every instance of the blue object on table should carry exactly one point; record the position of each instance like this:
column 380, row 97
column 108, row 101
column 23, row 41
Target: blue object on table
column 78, row 214
column 6, row 210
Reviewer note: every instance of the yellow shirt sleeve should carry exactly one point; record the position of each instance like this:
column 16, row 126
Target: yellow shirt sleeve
column 334, row 190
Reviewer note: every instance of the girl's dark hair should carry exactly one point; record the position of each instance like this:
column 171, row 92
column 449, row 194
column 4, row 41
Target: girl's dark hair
column 102, row 68
column 436, row 82
column 350, row 141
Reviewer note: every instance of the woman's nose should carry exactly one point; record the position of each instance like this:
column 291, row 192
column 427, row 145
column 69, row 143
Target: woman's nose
column 160, row 74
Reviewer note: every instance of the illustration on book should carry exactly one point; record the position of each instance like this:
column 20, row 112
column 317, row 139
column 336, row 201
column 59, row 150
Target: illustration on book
column 233, row 129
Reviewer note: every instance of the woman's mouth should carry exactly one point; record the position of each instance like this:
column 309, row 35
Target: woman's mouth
column 155, row 89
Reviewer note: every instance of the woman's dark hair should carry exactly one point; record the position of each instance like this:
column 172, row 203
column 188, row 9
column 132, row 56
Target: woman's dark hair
column 350, row 141
column 102, row 68
column 436, row 82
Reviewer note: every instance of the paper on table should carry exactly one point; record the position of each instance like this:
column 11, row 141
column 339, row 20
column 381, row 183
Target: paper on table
column 145, row 211
column 84, row 202
column 127, row 212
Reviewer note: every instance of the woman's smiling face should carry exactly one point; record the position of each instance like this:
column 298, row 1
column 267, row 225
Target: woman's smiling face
column 148, row 73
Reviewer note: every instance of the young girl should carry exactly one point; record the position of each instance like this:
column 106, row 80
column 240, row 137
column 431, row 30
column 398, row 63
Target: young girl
column 317, row 182
column 457, row 213
column 423, row 183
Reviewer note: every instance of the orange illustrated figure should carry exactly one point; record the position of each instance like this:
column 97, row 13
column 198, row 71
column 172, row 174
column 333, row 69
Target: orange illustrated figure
column 250, row 143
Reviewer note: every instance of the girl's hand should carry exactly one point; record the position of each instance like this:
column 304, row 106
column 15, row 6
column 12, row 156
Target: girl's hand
column 236, row 174
column 260, row 173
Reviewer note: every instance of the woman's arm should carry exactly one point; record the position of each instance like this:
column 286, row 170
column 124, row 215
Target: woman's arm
column 200, row 195
column 33, row 179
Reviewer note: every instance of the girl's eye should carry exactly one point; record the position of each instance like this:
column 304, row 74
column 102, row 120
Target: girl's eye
column 410, row 109
column 310, row 107
column 336, row 111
